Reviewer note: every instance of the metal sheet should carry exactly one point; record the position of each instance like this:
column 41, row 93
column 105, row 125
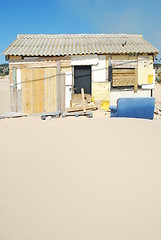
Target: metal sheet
column 78, row 44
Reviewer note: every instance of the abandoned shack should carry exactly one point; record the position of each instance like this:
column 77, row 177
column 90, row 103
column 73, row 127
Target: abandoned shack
column 47, row 71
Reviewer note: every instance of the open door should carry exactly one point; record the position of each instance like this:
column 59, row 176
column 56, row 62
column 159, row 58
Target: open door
column 82, row 79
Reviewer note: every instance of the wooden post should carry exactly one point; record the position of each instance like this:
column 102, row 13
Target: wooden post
column 19, row 107
column 83, row 100
column 12, row 98
column 58, row 86
column 136, row 81
column 15, row 98
column 63, row 92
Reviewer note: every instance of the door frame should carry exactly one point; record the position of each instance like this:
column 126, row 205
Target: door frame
column 90, row 76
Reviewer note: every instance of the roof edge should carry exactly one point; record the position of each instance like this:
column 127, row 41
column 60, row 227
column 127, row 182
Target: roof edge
column 79, row 34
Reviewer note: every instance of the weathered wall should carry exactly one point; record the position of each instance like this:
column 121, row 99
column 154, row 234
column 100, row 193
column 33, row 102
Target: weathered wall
column 144, row 73
column 99, row 73
column 144, row 63
column 39, row 84
column 50, row 89
column 124, row 61
column 101, row 91
column 145, row 69
column 100, row 84
column 99, row 68
column 116, row 94
column 84, row 60
column 123, row 77
column 38, row 90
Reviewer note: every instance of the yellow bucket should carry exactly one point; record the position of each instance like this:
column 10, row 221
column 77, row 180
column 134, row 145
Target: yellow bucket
column 150, row 79
column 105, row 105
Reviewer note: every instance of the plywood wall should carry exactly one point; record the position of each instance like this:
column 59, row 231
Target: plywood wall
column 123, row 77
column 65, row 69
column 39, row 84
column 100, row 84
column 26, row 91
column 101, row 91
column 99, row 72
column 144, row 63
column 50, row 89
column 38, row 90
column 124, row 61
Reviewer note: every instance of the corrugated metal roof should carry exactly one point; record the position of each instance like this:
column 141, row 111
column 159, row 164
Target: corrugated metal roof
column 78, row 44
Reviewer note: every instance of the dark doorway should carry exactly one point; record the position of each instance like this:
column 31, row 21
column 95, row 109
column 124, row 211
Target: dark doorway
column 82, row 79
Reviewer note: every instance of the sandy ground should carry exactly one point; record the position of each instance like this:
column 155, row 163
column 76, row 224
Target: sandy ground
column 157, row 94
column 4, row 95
column 80, row 178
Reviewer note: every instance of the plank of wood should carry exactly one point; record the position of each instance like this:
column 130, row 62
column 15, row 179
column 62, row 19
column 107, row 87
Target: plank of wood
column 123, row 80
column 123, row 71
column 26, row 91
column 23, row 90
column 11, row 75
column 77, row 108
column 58, row 84
column 29, row 93
column 63, row 92
column 15, row 58
column 77, row 99
column 136, row 81
column 123, row 77
column 38, row 90
column 83, row 100
column 50, row 89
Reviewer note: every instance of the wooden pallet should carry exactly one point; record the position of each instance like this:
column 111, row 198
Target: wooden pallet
column 88, row 114
column 12, row 115
column 51, row 114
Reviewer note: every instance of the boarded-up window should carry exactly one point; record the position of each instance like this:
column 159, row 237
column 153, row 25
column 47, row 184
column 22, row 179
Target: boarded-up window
column 123, row 77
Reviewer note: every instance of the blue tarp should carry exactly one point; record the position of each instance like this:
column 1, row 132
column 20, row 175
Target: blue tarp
column 134, row 108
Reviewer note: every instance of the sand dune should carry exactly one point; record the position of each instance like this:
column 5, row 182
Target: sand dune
column 80, row 179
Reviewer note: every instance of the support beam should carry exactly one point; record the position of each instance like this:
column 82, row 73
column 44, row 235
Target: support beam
column 136, row 81
column 63, row 92
column 83, row 100
column 58, row 86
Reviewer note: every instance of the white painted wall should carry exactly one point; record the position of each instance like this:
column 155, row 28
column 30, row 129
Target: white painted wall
column 83, row 60
column 99, row 71
column 116, row 94
column 150, row 86
column 145, row 68
column 68, row 88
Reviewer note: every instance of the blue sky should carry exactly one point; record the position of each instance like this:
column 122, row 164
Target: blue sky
column 85, row 16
